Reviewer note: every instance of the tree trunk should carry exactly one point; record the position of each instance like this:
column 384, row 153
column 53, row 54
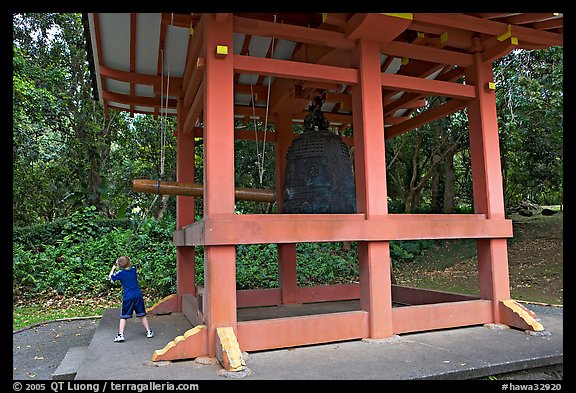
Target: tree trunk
column 409, row 201
column 449, row 183
column 163, row 207
column 435, row 203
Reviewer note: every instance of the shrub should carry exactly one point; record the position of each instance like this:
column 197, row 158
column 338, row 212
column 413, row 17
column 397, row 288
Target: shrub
column 76, row 258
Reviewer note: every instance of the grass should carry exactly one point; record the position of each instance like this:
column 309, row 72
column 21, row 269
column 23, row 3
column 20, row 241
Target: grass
column 38, row 311
column 34, row 314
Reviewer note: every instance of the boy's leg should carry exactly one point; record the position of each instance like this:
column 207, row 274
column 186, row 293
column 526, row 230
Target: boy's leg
column 121, row 325
column 141, row 313
column 145, row 323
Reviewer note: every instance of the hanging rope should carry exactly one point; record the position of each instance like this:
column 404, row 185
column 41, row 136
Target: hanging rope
column 165, row 118
column 261, row 157
column 163, row 121
column 255, row 124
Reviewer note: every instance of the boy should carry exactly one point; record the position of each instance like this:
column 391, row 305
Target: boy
column 132, row 300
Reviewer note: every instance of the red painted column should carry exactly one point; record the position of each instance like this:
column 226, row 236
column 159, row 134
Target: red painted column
column 287, row 280
column 371, row 192
column 185, row 256
column 487, row 183
column 219, row 307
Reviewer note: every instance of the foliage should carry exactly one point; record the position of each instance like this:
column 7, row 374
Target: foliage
column 256, row 266
column 77, row 264
column 36, row 237
column 530, row 107
column 77, row 259
column 52, row 107
column 326, row 263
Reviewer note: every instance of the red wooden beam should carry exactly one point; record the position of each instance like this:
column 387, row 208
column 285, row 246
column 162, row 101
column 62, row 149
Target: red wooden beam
column 154, row 102
column 425, row 118
column 195, row 46
column 501, row 49
column 530, row 17
column 441, row 316
column 296, row 70
column 427, row 86
column 141, row 79
column 494, row 28
column 549, row 24
column 292, row 33
column 420, row 52
column 194, row 111
column 310, row 329
column 368, row 26
column 299, row 228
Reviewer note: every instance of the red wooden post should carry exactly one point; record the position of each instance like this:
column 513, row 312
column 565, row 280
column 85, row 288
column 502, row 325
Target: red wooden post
column 219, row 299
column 487, row 183
column 287, row 251
column 369, row 156
column 185, row 256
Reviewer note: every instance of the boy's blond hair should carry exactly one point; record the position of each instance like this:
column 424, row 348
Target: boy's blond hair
column 123, row 262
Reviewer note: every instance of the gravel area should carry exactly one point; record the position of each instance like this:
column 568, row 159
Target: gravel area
column 38, row 351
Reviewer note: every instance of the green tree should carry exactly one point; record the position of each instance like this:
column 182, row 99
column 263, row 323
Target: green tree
column 530, row 108
column 58, row 143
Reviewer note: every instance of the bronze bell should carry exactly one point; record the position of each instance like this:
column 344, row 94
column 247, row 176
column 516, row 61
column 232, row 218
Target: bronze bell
column 319, row 177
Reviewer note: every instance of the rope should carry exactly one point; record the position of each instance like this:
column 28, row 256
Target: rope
column 165, row 117
column 255, row 125
column 163, row 121
column 261, row 162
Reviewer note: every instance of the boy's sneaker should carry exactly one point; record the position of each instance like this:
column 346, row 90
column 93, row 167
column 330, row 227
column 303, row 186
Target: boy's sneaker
column 149, row 334
column 119, row 338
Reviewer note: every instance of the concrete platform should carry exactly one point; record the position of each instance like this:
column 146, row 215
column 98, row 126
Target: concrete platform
column 67, row 370
column 453, row 354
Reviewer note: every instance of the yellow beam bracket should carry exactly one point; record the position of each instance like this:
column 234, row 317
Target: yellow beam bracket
column 403, row 16
column 505, row 35
column 228, row 351
column 490, row 86
column 221, row 50
column 443, row 38
column 515, row 314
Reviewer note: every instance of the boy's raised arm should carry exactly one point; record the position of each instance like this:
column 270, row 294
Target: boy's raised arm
column 111, row 272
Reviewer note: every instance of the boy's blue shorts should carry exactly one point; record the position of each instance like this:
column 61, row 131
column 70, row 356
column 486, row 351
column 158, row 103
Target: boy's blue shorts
column 131, row 305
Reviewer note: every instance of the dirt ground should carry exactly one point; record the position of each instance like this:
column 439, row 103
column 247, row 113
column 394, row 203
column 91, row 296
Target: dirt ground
column 535, row 263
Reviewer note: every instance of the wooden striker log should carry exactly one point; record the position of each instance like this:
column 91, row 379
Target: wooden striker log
column 196, row 190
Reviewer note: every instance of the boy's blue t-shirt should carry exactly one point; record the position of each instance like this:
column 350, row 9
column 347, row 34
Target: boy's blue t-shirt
column 129, row 281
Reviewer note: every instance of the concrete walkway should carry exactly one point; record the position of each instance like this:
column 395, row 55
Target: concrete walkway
column 455, row 354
